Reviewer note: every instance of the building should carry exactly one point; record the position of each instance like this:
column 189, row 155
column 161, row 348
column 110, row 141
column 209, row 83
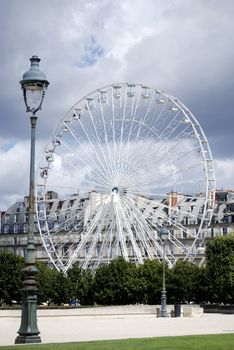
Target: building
column 71, row 215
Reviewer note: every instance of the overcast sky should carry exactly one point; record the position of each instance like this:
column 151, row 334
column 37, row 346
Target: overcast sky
column 184, row 47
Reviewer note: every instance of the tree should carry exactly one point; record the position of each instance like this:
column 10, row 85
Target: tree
column 115, row 284
column 150, row 275
column 45, row 282
column 82, row 284
column 185, row 283
column 11, row 277
column 62, row 288
column 220, row 269
column 53, row 286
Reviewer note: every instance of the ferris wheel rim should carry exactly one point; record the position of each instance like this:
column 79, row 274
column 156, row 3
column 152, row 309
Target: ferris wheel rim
column 187, row 113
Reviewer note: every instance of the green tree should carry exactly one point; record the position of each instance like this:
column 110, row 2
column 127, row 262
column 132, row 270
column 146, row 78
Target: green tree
column 220, row 269
column 53, row 286
column 185, row 283
column 150, row 275
column 11, row 277
column 116, row 283
column 45, row 282
column 62, row 288
column 82, row 284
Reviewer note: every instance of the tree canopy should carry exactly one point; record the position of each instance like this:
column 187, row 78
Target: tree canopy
column 10, row 277
column 123, row 282
column 220, row 269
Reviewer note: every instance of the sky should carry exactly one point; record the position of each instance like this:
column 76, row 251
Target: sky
column 183, row 47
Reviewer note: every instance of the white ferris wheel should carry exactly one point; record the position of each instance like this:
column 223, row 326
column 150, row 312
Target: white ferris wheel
column 125, row 161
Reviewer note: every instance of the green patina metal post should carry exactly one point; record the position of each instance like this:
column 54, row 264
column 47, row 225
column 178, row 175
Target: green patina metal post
column 34, row 84
column 164, row 236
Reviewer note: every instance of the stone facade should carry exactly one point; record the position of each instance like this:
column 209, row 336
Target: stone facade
column 14, row 222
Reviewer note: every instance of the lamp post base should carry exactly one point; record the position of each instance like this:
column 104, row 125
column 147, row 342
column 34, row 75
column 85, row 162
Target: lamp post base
column 26, row 339
column 28, row 331
column 163, row 312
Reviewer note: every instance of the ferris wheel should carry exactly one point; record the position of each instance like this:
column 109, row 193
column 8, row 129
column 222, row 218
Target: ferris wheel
column 124, row 162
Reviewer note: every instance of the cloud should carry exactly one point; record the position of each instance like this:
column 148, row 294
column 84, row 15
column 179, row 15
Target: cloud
column 224, row 173
column 14, row 175
column 184, row 47
column 93, row 52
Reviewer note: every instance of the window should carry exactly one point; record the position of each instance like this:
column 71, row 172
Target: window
column 6, row 228
column 225, row 219
column 221, row 196
column 16, row 228
column 25, row 217
column 98, row 248
column 66, row 250
column 7, row 218
column 230, row 207
column 56, row 225
column 25, row 228
column 212, row 232
column 23, row 252
column 87, row 249
column 225, row 231
column 185, row 221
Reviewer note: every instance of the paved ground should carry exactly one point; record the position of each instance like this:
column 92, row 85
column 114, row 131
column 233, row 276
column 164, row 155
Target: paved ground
column 83, row 328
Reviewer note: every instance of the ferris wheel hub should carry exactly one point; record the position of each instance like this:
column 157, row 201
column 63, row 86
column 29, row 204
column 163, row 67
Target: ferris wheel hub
column 115, row 190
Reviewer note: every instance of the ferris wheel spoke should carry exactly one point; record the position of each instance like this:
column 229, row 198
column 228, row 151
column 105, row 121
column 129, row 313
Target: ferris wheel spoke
column 149, row 211
column 150, row 190
column 95, row 175
column 106, row 242
column 153, row 125
column 98, row 232
column 86, row 161
column 110, row 154
column 160, row 117
column 181, row 137
column 100, row 165
column 132, row 120
column 120, row 232
column 93, row 244
column 120, row 151
column 106, row 163
column 144, row 117
column 171, row 127
column 114, row 132
column 127, row 223
column 145, row 228
column 87, row 234
column 96, row 154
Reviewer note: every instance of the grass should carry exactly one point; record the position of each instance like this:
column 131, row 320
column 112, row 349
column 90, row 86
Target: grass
column 195, row 342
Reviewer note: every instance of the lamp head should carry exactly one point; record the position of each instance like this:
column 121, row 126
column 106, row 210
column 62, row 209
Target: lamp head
column 34, row 84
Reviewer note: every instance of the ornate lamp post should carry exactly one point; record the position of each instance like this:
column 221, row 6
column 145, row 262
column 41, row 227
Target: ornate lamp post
column 34, row 85
column 164, row 236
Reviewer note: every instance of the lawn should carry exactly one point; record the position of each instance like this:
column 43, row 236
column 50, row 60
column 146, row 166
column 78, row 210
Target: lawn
column 195, row 342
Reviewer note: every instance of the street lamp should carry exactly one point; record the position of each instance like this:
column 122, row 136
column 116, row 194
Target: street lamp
column 164, row 233
column 34, row 85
